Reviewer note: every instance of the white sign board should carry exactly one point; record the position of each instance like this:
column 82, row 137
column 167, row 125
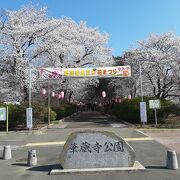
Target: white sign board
column 29, row 118
column 143, row 112
column 154, row 104
column 2, row 114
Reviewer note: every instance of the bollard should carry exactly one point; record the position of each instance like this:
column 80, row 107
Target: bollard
column 32, row 158
column 7, row 152
column 171, row 161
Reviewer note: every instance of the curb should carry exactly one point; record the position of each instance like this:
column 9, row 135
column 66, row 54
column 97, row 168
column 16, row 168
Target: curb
column 137, row 167
column 22, row 132
column 36, row 131
column 63, row 119
column 44, row 128
column 157, row 130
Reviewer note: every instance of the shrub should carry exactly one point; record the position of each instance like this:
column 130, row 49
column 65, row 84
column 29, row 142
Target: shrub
column 64, row 110
column 53, row 115
column 17, row 114
column 40, row 112
column 129, row 110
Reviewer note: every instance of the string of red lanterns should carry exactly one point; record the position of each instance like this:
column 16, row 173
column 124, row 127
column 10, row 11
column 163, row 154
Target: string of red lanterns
column 59, row 96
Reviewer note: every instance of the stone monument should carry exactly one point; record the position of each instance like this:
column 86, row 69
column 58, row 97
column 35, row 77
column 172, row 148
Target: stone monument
column 96, row 149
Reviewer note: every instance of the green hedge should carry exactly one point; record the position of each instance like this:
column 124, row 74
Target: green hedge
column 64, row 110
column 129, row 110
column 17, row 114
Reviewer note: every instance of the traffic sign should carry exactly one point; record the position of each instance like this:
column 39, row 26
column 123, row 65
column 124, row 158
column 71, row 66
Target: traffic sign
column 154, row 104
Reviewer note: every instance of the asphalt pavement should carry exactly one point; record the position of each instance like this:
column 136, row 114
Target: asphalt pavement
column 150, row 153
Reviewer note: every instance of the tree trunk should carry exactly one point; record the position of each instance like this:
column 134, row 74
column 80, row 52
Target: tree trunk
column 70, row 95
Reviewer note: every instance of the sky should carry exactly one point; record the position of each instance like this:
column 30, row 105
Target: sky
column 126, row 21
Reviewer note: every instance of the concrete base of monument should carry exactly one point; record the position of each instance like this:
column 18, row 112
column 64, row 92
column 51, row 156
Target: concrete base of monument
column 137, row 166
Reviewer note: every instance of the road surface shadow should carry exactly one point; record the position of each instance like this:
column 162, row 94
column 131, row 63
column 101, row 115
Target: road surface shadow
column 45, row 168
column 155, row 167
column 20, row 164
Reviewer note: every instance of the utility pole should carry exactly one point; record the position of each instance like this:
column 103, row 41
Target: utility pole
column 143, row 111
column 49, row 102
column 30, row 84
column 29, row 117
column 140, row 73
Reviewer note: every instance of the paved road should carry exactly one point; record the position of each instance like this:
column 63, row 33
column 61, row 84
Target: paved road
column 149, row 153
column 92, row 119
column 169, row 138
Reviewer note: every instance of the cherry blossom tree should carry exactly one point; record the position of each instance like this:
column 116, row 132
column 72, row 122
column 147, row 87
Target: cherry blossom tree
column 29, row 36
column 122, row 87
column 159, row 57
column 77, row 45
column 21, row 42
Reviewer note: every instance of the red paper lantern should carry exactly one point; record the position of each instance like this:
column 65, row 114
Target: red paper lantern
column 129, row 96
column 62, row 94
column 103, row 94
column 53, row 94
column 59, row 96
column 43, row 92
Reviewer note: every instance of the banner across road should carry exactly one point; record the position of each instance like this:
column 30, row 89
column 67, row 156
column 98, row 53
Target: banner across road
column 55, row 73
